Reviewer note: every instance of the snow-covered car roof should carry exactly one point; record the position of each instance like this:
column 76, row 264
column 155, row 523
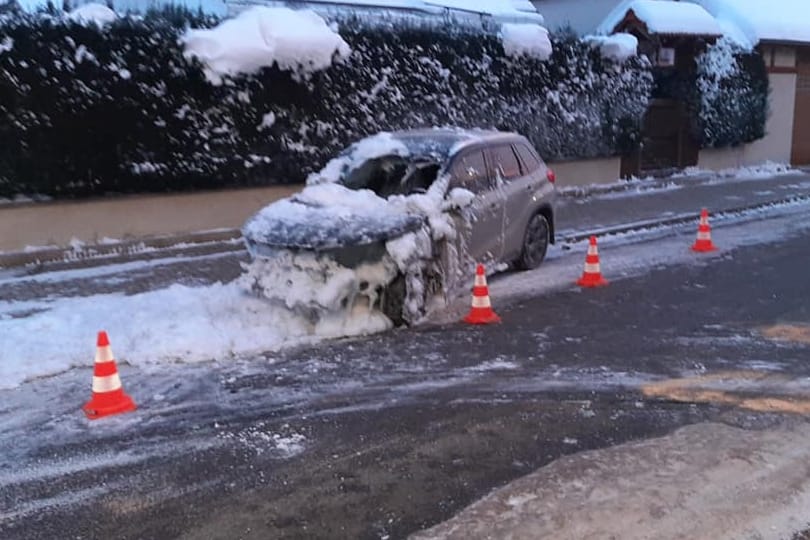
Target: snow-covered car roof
column 445, row 142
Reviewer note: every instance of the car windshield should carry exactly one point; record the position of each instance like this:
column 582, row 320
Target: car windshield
column 393, row 175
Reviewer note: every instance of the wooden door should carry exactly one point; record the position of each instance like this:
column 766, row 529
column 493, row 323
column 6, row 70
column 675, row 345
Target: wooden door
column 800, row 153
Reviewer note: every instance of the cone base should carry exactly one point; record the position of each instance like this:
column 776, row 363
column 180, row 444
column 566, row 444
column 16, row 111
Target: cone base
column 482, row 316
column 704, row 247
column 591, row 281
column 95, row 410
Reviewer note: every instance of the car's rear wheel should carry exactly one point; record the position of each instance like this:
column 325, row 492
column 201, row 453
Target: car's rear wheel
column 535, row 243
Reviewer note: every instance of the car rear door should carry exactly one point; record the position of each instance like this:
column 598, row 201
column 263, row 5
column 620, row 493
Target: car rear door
column 482, row 233
column 513, row 189
column 523, row 177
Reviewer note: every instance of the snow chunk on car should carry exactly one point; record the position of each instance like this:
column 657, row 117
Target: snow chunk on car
column 328, row 216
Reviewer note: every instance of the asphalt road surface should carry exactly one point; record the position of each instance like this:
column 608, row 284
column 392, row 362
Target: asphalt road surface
column 384, row 436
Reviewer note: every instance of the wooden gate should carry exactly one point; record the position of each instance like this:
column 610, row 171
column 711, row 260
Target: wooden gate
column 666, row 142
column 800, row 153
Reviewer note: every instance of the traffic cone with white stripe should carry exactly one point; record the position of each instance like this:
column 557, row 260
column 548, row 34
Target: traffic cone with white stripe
column 108, row 394
column 704, row 244
column 481, row 312
column 592, row 276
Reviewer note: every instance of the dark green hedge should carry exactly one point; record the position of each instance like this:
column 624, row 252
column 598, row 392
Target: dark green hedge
column 726, row 94
column 85, row 111
column 732, row 89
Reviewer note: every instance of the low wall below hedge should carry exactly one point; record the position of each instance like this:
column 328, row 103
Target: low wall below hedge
column 56, row 224
column 587, row 172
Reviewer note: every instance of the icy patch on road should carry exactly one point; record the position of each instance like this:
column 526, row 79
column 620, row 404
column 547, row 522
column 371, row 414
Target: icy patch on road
column 260, row 438
column 498, row 364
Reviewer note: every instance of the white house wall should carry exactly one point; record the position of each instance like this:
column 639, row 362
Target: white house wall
column 778, row 141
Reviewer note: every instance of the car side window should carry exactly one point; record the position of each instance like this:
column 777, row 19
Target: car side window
column 529, row 158
column 505, row 161
column 470, row 172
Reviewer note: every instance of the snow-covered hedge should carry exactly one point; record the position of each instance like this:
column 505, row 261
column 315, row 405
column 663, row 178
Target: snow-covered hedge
column 726, row 94
column 732, row 90
column 86, row 109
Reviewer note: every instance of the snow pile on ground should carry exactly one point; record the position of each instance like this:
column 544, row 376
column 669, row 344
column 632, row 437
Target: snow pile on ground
column 766, row 170
column 297, row 41
column 179, row 323
column 528, row 39
column 97, row 14
column 617, row 47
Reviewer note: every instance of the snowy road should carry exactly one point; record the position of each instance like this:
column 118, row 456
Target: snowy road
column 382, row 436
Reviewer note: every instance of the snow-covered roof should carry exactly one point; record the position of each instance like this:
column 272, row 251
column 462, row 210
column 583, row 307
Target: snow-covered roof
column 746, row 21
column 502, row 9
column 764, row 20
column 668, row 17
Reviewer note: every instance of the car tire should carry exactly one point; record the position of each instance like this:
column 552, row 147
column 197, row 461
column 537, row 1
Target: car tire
column 392, row 300
column 535, row 243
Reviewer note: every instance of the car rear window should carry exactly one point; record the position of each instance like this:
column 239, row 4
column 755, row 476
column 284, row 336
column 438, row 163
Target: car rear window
column 470, row 172
column 529, row 158
column 504, row 157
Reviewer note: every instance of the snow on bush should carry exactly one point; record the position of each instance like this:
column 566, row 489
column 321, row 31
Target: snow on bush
column 732, row 89
column 618, row 47
column 528, row 39
column 274, row 125
column 297, row 41
column 97, row 14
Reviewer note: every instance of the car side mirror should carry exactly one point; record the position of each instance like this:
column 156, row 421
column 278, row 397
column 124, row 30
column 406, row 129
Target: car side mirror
column 458, row 199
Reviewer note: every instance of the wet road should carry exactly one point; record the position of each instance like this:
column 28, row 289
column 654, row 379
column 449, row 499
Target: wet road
column 220, row 261
column 381, row 437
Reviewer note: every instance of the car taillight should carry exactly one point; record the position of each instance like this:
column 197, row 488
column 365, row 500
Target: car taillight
column 551, row 176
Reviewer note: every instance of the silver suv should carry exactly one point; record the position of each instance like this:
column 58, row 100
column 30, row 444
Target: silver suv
column 424, row 205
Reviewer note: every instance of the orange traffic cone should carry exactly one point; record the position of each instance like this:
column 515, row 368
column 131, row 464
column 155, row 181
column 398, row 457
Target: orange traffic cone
column 592, row 276
column 481, row 312
column 704, row 244
column 108, row 394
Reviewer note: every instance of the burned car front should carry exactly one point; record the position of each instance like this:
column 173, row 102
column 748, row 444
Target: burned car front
column 358, row 245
